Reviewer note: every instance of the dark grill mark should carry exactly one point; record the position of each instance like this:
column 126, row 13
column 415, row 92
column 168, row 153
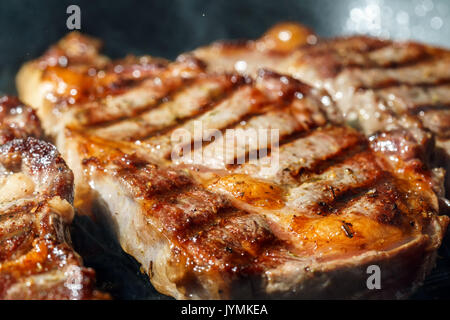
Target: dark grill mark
column 342, row 200
column 137, row 111
column 208, row 106
column 406, row 62
column 429, row 107
column 195, row 144
column 301, row 133
column 240, row 245
column 322, row 165
column 338, row 198
column 332, row 59
column 298, row 134
column 395, row 83
column 195, row 230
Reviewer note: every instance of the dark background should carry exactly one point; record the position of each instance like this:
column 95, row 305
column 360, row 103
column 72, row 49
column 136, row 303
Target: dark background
column 168, row 28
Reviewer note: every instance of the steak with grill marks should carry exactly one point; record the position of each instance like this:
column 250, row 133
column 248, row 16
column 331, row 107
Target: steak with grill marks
column 378, row 85
column 304, row 219
column 36, row 192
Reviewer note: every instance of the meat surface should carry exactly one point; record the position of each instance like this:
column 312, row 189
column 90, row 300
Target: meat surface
column 299, row 211
column 377, row 84
column 36, row 195
column 17, row 121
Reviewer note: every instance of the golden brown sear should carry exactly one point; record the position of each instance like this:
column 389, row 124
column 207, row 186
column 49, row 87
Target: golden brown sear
column 36, row 196
column 303, row 219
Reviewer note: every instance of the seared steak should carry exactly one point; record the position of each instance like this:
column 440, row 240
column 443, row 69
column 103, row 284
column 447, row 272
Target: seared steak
column 303, row 219
column 36, row 192
column 377, row 84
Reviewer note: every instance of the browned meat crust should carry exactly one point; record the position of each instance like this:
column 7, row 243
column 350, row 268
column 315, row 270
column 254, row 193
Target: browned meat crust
column 17, row 120
column 307, row 228
column 378, row 85
column 36, row 193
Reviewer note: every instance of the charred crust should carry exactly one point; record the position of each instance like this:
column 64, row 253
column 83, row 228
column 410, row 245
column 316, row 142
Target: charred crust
column 17, row 120
column 42, row 162
column 347, row 228
column 192, row 62
column 34, row 238
column 42, row 249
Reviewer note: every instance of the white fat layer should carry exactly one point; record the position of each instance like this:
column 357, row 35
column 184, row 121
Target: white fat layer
column 16, row 186
column 136, row 232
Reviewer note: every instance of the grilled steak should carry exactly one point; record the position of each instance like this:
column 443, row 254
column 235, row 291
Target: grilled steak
column 377, row 84
column 303, row 219
column 36, row 192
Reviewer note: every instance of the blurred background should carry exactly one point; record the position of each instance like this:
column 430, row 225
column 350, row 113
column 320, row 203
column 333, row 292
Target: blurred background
column 170, row 27
column 167, row 28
